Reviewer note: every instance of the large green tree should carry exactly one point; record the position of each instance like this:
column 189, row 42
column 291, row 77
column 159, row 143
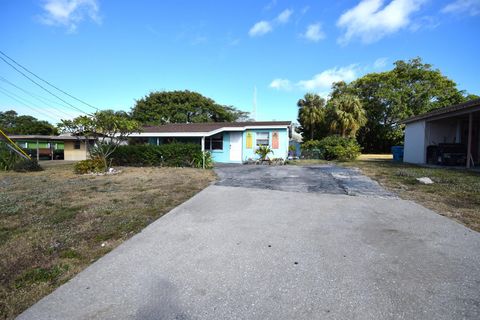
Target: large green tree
column 346, row 115
column 12, row 123
column 311, row 115
column 162, row 107
column 108, row 128
column 411, row 88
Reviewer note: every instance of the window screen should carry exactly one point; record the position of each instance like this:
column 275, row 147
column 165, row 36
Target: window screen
column 262, row 138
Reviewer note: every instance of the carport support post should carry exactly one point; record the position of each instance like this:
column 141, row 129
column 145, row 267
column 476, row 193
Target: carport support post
column 38, row 152
column 203, row 152
column 469, row 145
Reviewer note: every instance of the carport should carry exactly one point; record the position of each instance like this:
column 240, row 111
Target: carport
column 447, row 136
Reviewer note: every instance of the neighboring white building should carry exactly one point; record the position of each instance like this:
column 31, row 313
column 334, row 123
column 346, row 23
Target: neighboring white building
column 449, row 135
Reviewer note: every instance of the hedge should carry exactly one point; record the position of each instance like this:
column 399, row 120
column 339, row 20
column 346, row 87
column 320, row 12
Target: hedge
column 332, row 148
column 170, row 155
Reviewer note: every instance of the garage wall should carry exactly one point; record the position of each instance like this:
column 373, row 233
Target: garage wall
column 415, row 146
column 72, row 154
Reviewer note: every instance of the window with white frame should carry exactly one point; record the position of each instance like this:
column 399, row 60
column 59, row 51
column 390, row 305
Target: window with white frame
column 263, row 138
column 214, row 142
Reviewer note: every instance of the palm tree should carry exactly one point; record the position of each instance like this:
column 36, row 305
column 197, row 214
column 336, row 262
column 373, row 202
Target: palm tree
column 311, row 113
column 347, row 115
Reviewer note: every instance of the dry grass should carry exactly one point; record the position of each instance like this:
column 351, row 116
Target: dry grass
column 370, row 157
column 454, row 194
column 54, row 223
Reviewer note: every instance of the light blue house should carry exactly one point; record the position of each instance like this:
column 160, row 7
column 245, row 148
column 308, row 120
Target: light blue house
column 228, row 142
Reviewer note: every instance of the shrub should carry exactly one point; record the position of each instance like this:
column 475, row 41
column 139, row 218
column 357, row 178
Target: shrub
column 169, row 155
column 311, row 149
column 339, row 148
column 198, row 158
column 94, row 165
column 27, row 166
column 7, row 159
column 263, row 152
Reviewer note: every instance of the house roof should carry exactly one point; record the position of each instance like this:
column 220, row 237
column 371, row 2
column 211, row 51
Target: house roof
column 211, row 126
column 48, row 138
column 466, row 107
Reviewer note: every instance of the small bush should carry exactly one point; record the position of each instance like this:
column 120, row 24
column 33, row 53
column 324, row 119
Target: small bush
column 263, row 152
column 199, row 157
column 94, row 165
column 27, row 166
column 339, row 148
column 169, row 155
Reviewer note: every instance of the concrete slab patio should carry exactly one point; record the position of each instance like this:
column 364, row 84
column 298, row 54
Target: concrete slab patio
column 250, row 252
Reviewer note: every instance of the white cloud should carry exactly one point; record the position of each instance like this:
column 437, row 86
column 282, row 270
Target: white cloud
column 284, row 16
column 471, row 7
column 371, row 20
column 425, row 22
column 325, row 79
column 320, row 83
column 260, row 28
column 281, row 84
column 270, row 5
column 263, row 27
column 69, row 13
column 314, row 32
column 380, row 63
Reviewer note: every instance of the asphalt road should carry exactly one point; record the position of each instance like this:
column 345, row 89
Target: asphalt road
column 256, row 253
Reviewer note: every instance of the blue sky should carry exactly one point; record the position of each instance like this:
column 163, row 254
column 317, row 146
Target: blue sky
column 110, row 53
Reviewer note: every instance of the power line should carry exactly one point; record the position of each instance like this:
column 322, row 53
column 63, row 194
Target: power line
column 34, row 94
column 53, row 94
column 18, row 99
column 29, row 107
column 53, row 86
column 38, row 97
column 25, row 101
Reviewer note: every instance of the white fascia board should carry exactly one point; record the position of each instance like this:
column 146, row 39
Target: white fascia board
column 169, row 134
column 202, row 134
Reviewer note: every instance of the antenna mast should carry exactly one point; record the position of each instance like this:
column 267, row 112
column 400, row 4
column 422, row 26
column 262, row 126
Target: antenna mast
column 254, row 111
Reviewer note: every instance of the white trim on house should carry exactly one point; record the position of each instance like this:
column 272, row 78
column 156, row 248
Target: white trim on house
column 202, row 134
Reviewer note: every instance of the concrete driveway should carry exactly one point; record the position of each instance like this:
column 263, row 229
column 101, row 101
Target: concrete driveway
column 241, row 250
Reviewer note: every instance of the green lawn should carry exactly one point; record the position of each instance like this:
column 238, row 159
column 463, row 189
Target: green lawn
column 54, row 223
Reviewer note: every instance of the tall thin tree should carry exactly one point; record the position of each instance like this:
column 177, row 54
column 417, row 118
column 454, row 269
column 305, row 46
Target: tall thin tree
column 311, row 113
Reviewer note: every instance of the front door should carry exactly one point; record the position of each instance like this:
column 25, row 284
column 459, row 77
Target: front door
column 236, row 146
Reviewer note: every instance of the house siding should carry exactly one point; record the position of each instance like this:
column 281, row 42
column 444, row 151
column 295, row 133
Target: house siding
column 281, row 152
column 72, row 154
column 222, row 156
